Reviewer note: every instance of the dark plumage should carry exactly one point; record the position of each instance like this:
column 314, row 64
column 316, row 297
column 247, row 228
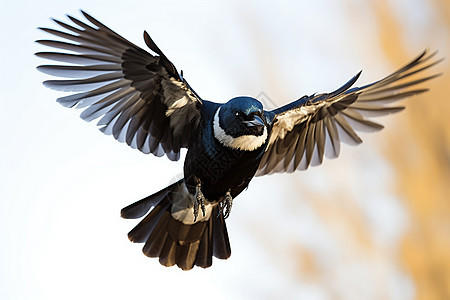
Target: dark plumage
column 142, row 100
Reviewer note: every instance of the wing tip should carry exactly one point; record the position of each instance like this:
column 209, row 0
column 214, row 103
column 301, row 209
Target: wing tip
column 151, row 44
column 42, row 69
column 85, row 14
column 346, row 86
column 68, row 104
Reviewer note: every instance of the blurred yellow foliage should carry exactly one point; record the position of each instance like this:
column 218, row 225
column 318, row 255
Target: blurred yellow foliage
column 419, row 151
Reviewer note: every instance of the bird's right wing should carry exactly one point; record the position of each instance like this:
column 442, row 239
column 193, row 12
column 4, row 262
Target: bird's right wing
column 140, row 97
column 313, row 126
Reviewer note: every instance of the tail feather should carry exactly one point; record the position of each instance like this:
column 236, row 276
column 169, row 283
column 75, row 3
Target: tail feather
column 205, row 251
column 221, row 244
column 141, row 207
column 186, row 234
column 141, row 232
column 157, row 237
column 168, row 253
column 173, row 241
column 186, row 255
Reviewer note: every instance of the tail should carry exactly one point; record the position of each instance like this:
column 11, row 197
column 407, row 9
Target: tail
column 166, row 236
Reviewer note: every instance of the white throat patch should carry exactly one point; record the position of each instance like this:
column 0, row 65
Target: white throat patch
column 245, row 142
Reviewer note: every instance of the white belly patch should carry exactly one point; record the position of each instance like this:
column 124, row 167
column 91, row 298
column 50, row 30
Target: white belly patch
column 183, row 207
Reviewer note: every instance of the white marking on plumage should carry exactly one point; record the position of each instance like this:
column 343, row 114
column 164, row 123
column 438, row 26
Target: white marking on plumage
column 181, row 105
column 288, row 120
column 177, row 95
column 183, row 207
column 177, row 104
column 244, row 142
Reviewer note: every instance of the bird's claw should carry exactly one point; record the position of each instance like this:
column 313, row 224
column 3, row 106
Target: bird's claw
column 199, row 201
column 225, row 205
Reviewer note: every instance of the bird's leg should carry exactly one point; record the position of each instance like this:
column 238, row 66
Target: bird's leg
column 199, row 201
column 225, row 205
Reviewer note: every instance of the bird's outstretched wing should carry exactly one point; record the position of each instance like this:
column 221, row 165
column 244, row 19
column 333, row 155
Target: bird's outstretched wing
column 140, row 97
column 313, row 126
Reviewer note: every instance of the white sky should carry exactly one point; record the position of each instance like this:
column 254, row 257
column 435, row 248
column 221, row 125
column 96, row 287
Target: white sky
column 63, row 183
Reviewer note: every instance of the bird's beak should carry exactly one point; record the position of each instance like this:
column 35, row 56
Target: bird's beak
column 257, row 121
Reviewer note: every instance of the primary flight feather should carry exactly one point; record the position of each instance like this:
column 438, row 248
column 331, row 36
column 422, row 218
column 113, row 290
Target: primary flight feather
column 141, row 99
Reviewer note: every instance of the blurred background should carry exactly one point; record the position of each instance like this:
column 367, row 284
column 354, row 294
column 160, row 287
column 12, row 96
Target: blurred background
column 372, row 224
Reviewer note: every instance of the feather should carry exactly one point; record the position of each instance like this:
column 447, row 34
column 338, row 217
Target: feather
column 109, row 72
column 310, row 142
column 146, row 227
column 301, row 144
column 204, row 255
column 75, row 98
column 79, row 59
column 333, row 117
column 168, row 254
column 65, row 35
column 345, row 87
column 122, row 107
column 320, row 142
column 334, row 136
column 79, row 48
column 357, row 121
column 186, row 255
column 346, row 132
column 291, row 151
column 221, row 244
column 388, row 98
column 78, row 71
column 369, row 110
column 155, row 243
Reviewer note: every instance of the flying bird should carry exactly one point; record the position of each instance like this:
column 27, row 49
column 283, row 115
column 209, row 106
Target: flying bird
column 141, row 99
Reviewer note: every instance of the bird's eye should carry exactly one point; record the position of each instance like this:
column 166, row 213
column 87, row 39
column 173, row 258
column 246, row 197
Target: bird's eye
column 238, row 114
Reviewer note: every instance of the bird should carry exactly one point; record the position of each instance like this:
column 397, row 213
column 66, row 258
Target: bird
column 141, row 99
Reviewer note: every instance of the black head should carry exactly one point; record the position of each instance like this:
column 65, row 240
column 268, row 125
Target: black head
column 240, row 124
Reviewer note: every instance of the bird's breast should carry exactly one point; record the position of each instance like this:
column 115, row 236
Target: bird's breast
column 219, row 168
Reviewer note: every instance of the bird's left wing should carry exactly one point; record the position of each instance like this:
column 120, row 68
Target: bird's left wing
column 313, row 126
column 140, row 97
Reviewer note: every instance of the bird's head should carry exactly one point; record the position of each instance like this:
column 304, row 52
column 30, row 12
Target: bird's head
column 239, row 124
